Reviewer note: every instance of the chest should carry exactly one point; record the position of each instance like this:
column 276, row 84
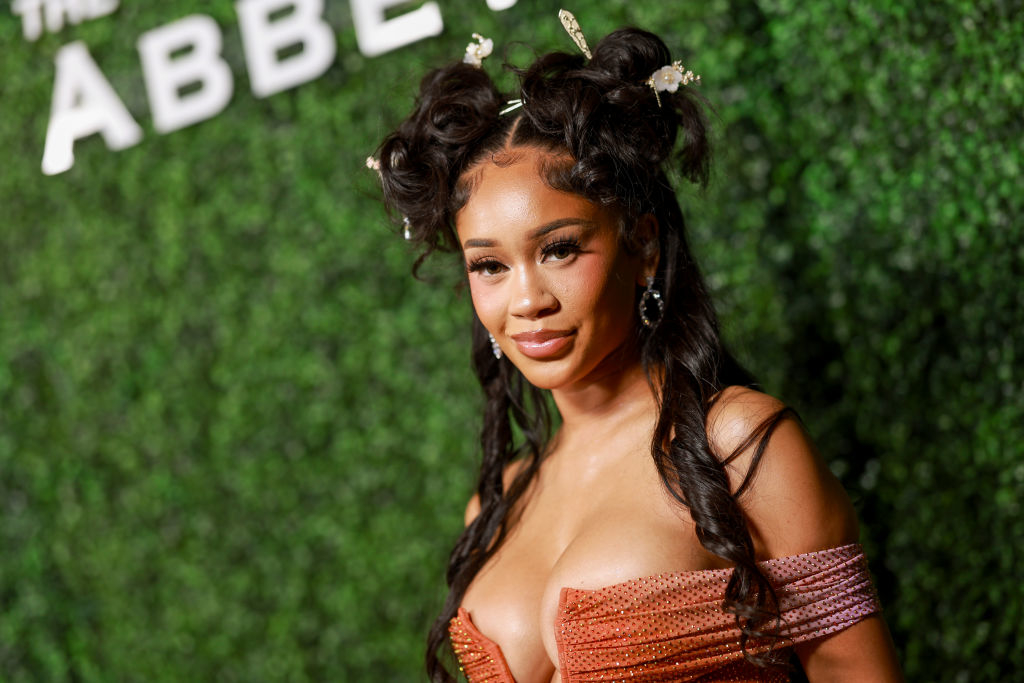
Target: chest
column 580, row 532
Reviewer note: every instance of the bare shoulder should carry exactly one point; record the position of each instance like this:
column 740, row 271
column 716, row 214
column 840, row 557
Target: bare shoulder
column 793, row 503
column 735, row 414
column 472, row 508
column 510, row 472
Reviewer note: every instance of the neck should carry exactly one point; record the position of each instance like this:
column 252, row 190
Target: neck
column 608, row 397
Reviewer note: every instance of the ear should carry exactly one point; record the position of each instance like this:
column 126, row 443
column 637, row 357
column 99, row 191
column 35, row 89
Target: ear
column 646, row 232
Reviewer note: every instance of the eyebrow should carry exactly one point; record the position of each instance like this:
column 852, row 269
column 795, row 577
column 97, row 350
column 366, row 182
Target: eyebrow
column 537, row 233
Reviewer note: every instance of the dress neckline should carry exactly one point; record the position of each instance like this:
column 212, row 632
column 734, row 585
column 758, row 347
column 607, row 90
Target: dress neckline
column 723, row 571
column 650, row 581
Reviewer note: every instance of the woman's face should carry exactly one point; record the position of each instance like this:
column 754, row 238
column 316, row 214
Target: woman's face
column 548, row 275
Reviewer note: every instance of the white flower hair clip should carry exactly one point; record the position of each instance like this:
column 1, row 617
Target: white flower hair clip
column 475, row 52
column 669, row 78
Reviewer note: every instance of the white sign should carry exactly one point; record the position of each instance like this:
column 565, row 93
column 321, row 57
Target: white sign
column 263, row 38
column 377, row 35
column 181, row 55
column 165, row 77
column 83, row 104
column 35, row 13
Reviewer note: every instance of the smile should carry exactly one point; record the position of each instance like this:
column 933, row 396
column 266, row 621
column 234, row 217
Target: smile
column 543, row 343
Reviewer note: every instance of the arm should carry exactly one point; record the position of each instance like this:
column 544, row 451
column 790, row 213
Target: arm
column 796, row 505
column 863, row 652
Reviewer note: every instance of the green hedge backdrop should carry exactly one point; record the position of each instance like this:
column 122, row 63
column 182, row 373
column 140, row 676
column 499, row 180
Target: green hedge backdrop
column 236, row 437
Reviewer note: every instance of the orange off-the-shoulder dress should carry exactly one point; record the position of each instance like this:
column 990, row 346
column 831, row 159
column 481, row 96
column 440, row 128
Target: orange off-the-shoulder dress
column 671, row 627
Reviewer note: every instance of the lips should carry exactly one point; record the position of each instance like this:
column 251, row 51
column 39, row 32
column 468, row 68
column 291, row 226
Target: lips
column 543, row 343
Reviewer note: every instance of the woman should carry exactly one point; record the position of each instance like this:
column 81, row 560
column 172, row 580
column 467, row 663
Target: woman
column 636, row 541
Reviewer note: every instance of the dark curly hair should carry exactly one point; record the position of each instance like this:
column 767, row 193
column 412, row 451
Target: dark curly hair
column 611, row 142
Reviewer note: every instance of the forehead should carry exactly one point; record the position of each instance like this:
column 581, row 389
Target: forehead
column 509, row 191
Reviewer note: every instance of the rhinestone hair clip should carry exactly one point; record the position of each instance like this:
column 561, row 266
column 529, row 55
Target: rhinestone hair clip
column 669, row 78
column 572, row 27
column 374, row 165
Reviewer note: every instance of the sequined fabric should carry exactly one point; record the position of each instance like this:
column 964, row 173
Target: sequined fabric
column 671, row 627
column 480, row 658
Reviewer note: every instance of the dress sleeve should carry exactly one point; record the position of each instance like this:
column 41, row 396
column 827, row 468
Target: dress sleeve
column 822, row 592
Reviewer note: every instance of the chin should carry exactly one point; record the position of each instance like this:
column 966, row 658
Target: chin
column 546, row 385
column 550, row 375
column 544, row 380
column 543, row 375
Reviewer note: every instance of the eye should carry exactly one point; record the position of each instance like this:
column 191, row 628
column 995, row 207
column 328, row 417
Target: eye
column 561, row 250
column 485, row 266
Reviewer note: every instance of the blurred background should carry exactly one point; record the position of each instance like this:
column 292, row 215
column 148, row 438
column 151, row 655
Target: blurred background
column 237, row 437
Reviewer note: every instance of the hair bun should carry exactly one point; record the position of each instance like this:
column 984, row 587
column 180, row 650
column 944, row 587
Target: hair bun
column 421, row 162
column 630, row 54
column 606, row 115
column 456, row 104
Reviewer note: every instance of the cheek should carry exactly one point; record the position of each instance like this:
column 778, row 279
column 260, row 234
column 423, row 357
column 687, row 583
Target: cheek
column 602, row 288
column 487, row 304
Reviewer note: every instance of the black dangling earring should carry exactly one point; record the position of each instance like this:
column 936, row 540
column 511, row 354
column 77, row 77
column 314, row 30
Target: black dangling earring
column 649, row 297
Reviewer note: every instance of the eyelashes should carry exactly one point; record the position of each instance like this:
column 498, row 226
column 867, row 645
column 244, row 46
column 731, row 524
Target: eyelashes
column 566, row 245
column 558, row 250
column 482, row 264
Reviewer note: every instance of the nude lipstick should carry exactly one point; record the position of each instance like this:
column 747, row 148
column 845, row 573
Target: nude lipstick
column 541, row 344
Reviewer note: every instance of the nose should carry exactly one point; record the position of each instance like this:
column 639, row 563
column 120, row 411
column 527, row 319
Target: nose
column 531, row 298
